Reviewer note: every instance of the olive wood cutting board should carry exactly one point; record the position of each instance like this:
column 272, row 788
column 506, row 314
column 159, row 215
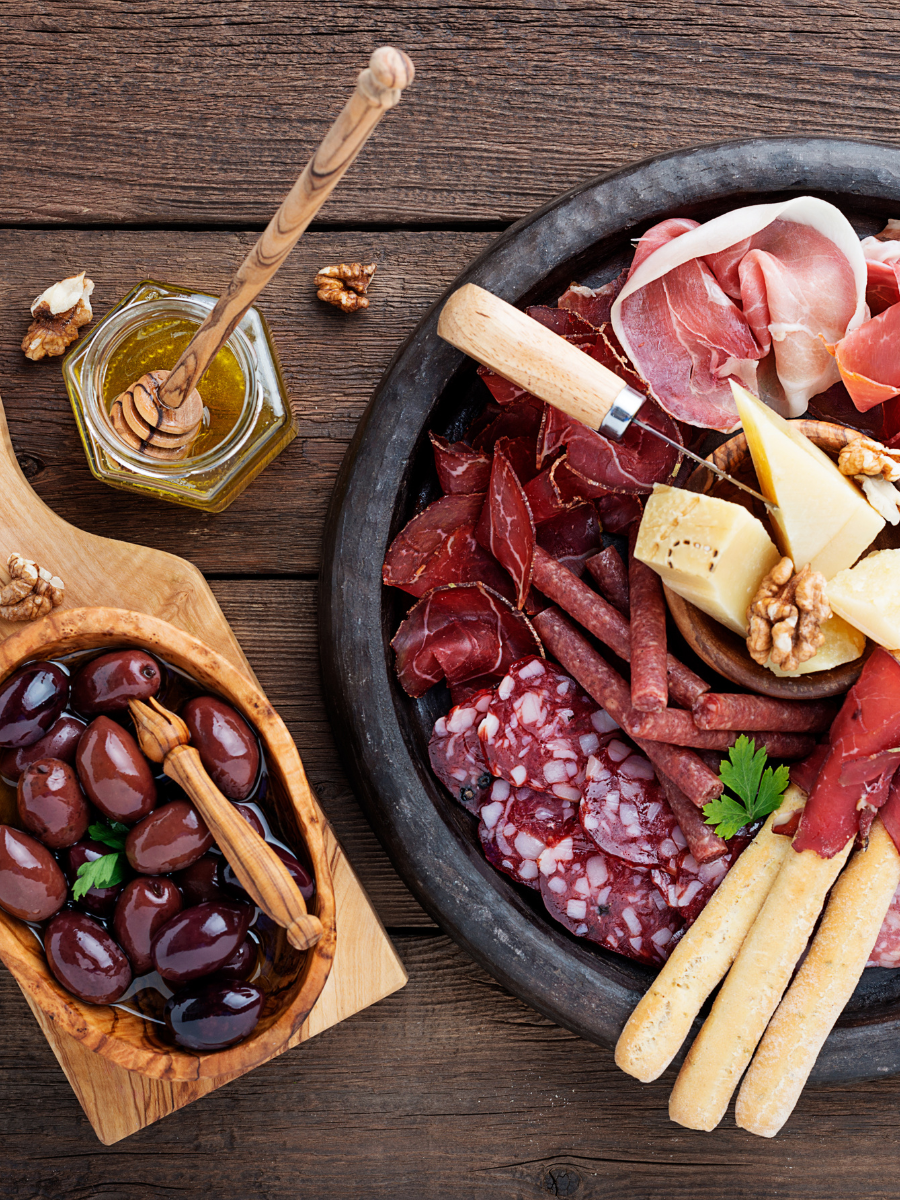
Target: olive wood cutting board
column 100, row 571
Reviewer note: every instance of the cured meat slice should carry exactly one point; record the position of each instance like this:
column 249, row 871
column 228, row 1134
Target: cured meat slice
column 886, row 951
column 520, row 452
column 798, row 271
column 516, row 823
column 868, row 360
column 507, row 393
column 617, row 512
column 883, row 271
column 460, row 632
column 624, row 810
column 689, row 888
column 572, row 537
column 593, row 304
column 506, row 527
column 516, row 420
column 544, row 498
column 456, row 755
column 460, row 469
column 606, row 900
column 540, row 729
column 439, row 547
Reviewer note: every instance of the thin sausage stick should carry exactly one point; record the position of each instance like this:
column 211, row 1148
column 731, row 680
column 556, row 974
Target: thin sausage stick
column 647, row 634
column 823, row 985
column 752, row 989
column 662, row 1020
column 609, row 572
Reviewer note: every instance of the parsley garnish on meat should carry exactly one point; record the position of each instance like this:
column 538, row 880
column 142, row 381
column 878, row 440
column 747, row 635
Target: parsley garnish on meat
column 758, row 789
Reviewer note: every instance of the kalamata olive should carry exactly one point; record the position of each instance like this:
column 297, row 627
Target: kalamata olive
column 98, row 901
column 107, row 683
column 199, row 940
column 85, row 959
column 211, row 1016
column 32, row 886
column 30, row 703
column 142, row 909
column 61, row 742
column 199, row 882
column 252, row 818
column 51, row 804
column 242, row 963
column 227, row 745
column 304, row 881
column 114, row 773
column 172, row 837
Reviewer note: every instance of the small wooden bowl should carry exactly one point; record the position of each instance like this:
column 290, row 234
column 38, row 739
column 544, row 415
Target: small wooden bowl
column 125, row 1038
column 724, row 650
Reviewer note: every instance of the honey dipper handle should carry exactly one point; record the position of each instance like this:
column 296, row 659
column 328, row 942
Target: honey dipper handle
column 378, row 88
column 259, row 869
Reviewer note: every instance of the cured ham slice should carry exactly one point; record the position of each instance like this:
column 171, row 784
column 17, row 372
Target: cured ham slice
column 460, row 469
column 868, row 359
column 883, row 271
column 458, row 633
column 593, row 304
column 506, row 527
column 439, row 546
column 707, row 304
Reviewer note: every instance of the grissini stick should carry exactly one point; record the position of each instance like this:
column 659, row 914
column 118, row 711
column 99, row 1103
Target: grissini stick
column 164, row 738
column 823, row 985
column 378, row 89
column 662, row 1020
column 523, row 351
column 753, row 987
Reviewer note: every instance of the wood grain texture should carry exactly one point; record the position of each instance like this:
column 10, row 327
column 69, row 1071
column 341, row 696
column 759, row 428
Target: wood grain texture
column 205, row 112
column 331, row 363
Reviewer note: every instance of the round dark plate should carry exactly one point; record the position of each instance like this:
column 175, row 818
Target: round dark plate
column 583, row 236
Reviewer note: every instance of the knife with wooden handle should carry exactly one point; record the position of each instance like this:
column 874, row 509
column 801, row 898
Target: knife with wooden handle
column 526, row 353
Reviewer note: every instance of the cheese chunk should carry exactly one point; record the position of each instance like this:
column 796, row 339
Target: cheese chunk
column 868, row 596
column 822, row 516
column 842, row 644
column 710, row 551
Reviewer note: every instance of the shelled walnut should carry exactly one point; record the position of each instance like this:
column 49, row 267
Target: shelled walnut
column 59, row 313
column 345, row 285
column 787, row 615
column 32, row 591
column 865, row 456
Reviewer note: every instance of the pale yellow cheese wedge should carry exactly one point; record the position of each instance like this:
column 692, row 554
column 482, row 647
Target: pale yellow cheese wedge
column 710, row 551
column 822, row 517
column 842, row 644
column 868, row 596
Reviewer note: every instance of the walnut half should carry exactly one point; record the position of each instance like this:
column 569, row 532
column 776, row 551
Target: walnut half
column 32, row 592
column 59, row 312
column 345, row 285
column 865, row 456
column 787, row 615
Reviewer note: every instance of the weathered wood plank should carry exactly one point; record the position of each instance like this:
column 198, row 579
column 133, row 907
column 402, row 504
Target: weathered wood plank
column 275, row 622
column 206, row 112
column 449, row 1088
column 331, row 363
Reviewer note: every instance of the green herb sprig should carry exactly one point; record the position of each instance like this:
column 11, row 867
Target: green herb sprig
column 758, row 789
column 109, row 869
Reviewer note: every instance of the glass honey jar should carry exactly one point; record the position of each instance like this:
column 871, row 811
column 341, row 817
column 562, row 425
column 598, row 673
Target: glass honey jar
column 247, row 419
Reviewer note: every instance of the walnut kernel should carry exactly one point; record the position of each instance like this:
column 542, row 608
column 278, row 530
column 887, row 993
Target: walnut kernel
column 787, row 615
column 59, row 313
column 345, row 285
column 865, row 456
column 32, row 591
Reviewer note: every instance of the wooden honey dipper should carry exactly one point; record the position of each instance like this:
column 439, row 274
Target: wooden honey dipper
column 164, row 738
column 160, row 414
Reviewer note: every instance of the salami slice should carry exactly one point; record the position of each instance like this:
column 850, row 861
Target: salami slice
column 689, row 888
column 515, row 825
column 886, row 951
column 456, row 754
column 606, row 900
column 540, row 729
column 624, row 810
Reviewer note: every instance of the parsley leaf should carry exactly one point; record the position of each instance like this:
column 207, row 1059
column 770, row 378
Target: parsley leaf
column 111, row 833
column 103, row 872
column 759, row 789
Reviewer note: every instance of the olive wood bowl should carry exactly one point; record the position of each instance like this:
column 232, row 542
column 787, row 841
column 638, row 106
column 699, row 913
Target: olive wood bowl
column 122, row 1036
column 721, row 648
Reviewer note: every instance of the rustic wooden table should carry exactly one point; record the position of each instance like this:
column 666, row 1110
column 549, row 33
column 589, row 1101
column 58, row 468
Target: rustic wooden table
column 155, row 140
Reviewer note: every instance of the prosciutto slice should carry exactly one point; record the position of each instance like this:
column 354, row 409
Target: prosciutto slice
column 745, row 296
column 868, row 359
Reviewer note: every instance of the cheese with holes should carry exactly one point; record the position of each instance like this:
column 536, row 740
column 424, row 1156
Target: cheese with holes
column 842, row 644
column 710, row 551
column 822, row 517
column 868, row 596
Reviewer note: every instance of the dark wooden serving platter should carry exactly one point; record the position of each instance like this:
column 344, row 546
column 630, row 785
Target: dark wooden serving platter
column 585, row 236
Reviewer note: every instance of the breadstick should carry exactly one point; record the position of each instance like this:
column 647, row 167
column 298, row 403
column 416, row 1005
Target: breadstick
column 824, row 983
column 662, row 1020
column 753, row 988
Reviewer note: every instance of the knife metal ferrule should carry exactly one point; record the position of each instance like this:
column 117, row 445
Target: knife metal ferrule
column 624, row 409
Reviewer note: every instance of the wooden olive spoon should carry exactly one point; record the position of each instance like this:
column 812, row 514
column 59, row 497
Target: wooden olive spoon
column 378, row 88
column 164, row 738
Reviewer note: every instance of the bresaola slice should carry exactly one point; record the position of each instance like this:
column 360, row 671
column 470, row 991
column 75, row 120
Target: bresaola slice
column 506, row 527
column 456, row 755
column 540, row 729
column 460, row 469
column 460, row 632
column 516, row 824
